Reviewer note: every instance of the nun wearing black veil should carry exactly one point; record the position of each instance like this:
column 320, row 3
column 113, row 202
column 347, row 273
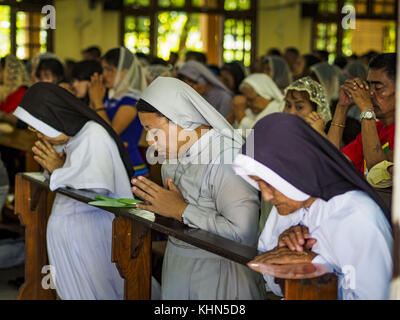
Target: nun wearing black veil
column 311, row 184
column 78, row 235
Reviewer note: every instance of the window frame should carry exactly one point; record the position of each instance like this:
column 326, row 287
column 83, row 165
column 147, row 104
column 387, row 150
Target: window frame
column 153, row 9
column 29, row 8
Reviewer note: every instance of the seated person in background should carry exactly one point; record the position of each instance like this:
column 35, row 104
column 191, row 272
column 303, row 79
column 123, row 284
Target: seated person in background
column 311, row 184
column 124, row 77
column 14, row 81
column 81, row 77
column 302, row 66
column 232, row 74
column 92, row 53
column 260, row 97
column 201, row 79
column 200, row 189
column 78, row 235
column 307, row 99
column 376, row 99
column 278, row 70
column 329, row 78
column 291, row 55
column 34, row 63
column 196, row 56
column 50, row 70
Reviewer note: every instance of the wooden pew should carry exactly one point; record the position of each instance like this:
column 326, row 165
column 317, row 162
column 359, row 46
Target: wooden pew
column 131, row 243
column 22, row 140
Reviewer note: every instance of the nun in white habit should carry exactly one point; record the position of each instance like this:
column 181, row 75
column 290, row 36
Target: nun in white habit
column 201, row 190
column 261, row 97
column 312, row 185
column 78, row 235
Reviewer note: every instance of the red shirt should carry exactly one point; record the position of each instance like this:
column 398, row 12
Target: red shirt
column 12, row 101
column 354, row 150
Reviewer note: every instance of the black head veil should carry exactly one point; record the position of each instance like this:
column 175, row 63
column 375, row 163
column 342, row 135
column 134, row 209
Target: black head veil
column 62, row 111
column 291, row 148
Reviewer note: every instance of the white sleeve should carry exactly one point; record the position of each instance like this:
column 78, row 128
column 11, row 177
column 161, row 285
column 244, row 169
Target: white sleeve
column 237, row 205
column 362, row 253
column 88, row 164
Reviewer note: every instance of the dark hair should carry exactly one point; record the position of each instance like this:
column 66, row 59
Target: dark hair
column 84, row 70
column 214, row 69
column 386, row 61
column 196, row 55
column 94, row 51
column 340, row 61
column 311, row 60
column 144, row 106
column 292, row 50
column 112, row 57
column 160, row 61
column 323, row 54
column 274, row 52
column 237, row 72
column 52, row 65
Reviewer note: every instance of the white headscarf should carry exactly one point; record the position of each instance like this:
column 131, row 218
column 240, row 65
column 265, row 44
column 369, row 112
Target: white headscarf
column 181, row 104
column 329, row 78
column 264, row 86
column 134, row 81
column 280, row 71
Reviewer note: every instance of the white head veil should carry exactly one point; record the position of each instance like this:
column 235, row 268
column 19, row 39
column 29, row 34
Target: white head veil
column 263, row 85
column 280, row 71
column 134, row 81
column 181, row 104
column 329, row 78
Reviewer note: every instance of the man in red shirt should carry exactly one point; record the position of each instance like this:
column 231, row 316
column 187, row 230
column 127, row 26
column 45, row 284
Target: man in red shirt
column 376, row 99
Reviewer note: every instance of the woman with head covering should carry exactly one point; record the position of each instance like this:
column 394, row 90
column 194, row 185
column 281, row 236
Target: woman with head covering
column 157, row 70
column 14, row 81
column 313, row 185
column 232, row 74
column 301, row 68
column 307, row 99
column 34, row 63
column 200, row 189
column 278, row 69
column 328, row 77
column 260, row 97
column 90, row 155
column 125, row 80
column 200, row 78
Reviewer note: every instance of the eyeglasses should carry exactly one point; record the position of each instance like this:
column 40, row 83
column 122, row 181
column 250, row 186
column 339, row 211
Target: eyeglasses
column 31, row 129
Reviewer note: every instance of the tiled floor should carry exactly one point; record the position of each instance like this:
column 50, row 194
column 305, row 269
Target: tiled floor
column 9, row 291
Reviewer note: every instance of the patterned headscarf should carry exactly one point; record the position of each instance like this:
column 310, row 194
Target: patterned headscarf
column 316, row 93
column 15, row 76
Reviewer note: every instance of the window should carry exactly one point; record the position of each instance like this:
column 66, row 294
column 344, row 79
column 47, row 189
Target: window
column 158, row 27
column 375, row 27
column 22, row 30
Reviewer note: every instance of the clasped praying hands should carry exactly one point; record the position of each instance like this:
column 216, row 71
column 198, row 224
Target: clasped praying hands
column 47, row 157
column 166, row 201
column 358, row 91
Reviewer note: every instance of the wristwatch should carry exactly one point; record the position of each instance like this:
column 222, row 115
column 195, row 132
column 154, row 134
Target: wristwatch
column 368, row 115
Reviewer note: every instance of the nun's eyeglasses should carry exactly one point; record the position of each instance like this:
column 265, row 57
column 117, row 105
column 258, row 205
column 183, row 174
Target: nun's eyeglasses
column 31, row 129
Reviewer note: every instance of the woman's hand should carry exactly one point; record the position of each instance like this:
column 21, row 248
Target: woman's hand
column 283, row 255
column 167, row 201
column 316, row 121
column 239, row 105
column 96, row 91
column 47, row 157
column 296, row 238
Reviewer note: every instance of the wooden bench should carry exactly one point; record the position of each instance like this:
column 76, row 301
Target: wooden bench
column 131, row 245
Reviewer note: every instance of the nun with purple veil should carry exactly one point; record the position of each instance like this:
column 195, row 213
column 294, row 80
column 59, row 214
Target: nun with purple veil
column 311, row 184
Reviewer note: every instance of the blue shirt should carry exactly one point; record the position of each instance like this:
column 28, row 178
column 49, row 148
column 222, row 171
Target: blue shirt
column 132, row 134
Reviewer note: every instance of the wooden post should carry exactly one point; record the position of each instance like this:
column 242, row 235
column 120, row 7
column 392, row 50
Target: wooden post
column 320, row 288
column 33, row 206
column 131, row 251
